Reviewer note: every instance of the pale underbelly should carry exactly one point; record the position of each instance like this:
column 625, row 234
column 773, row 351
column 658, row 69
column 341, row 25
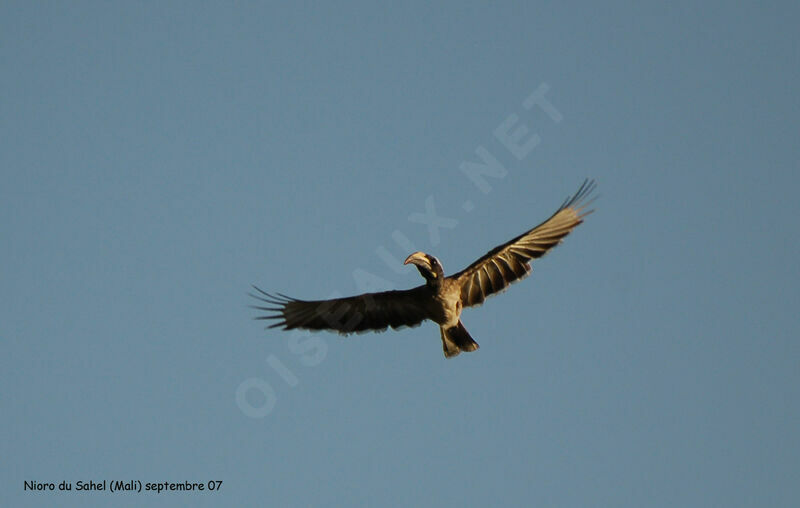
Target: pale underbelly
column 447, row 315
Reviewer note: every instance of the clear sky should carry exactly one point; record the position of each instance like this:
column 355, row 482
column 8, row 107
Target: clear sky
column 157, row 158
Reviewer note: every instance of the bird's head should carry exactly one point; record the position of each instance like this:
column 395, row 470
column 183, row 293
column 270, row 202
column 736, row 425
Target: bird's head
column 428, row 266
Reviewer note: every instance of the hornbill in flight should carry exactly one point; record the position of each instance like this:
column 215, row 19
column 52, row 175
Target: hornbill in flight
column 441, row 298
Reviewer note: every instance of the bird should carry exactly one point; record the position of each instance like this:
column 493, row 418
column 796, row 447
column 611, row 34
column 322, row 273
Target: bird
column 440, row 299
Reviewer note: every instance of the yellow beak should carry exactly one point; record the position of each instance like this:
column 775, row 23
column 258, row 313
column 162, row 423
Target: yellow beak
column 418, row 257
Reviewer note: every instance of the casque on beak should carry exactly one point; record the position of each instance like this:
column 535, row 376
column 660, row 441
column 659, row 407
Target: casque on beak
column 418, row 258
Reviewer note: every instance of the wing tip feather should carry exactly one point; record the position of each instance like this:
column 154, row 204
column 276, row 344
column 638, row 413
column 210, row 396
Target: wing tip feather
column 578, row 201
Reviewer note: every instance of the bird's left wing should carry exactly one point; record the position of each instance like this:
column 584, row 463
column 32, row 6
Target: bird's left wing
column 509, row 262
column 369, row 311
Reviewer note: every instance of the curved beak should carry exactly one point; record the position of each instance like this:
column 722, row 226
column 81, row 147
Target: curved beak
column 418, row 258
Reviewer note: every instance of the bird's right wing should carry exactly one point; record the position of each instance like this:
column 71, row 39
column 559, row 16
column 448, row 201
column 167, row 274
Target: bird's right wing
column 369, row 311
column 509, row 262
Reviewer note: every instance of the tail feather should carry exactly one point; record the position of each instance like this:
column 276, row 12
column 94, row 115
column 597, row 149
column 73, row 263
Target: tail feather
column 456, row 339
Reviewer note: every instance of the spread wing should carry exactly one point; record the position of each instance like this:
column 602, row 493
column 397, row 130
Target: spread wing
column 509, row 262
column 370, row 311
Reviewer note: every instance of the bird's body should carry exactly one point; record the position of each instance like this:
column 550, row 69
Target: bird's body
column 441, row 299
column 446, row 306
column 443, row 306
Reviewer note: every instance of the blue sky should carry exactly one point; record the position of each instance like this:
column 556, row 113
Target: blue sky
column 157, row 159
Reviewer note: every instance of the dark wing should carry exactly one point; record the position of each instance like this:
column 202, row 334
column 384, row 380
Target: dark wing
column 370, row 311
column 509, row 262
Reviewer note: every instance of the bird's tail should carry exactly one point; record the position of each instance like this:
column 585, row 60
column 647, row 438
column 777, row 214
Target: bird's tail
column 456, row 339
